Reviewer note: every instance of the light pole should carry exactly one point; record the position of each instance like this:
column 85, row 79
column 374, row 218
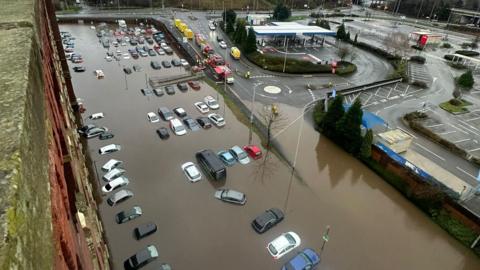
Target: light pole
column 285, row 58
column 325, row 238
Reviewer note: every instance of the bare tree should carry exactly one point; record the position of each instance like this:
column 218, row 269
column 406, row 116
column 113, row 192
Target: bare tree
column 273, row 120
column 343, row 51
column 397, row 42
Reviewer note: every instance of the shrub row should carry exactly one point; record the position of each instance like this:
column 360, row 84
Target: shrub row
column 418, row 59
column 467, row 53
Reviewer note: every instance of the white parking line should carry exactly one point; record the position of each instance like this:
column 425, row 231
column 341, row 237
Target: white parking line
column 473, row 119
column 462, row 140
column 436, row 125
column 447, row 132
column 473, row 150
column 413, row 136
column 428, row 150
column 459, row 129
column 388, row 107
column 465, row 172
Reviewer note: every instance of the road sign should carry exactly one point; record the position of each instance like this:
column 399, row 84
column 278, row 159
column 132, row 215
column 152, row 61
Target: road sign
column 334, row 93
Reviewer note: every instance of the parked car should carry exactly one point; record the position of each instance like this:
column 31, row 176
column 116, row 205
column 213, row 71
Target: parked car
column 168, row 50
column 141, row 258
column 211, row 103
column 146, row 91
column 94, row 132
column 177, row 127
column 160, row 51
column 204, row 122
column 145, row 230
column 106, row 136
column 112, row 164
column 170, row 90
column 307, row 259
column 267, row 220
column 176, row 62
column 253, row 151
column 117, row 172
column 127, row 70
column 158, row 92
column 119, row 196
column 109, row 149
column 211, row 164
column 128, row 215
column 99, row 74
column 115, row 184
column 137, row 68
column 143, row 53
column 191, row 124
column 227, row 158
column 182, row 86
column 152, row 117
column 165, row 113
column 180, row 112
column 191, row 172
column 184, row 63
column 151, row 52
column 216, row 119
column 166, row 64
column 95, row 116
column 283, row 244
column 195, row 85
column 219, row 38
column 79, row 69
column 202, row 107
column 86, row 128
column 163, row 133
column 240, row 155
column 211, row 26
column 222, row 44
column 155, row 65
column 231, row 196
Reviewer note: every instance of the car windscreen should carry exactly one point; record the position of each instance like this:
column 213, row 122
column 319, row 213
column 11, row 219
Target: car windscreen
column 272, row 249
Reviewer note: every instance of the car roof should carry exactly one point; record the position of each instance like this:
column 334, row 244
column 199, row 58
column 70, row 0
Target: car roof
column 298, row 262
column 235, row 194
column 265, row 217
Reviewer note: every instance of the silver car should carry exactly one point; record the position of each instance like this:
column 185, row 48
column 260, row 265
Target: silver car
column 119, row 197
column 113, row 174
column 231, row 196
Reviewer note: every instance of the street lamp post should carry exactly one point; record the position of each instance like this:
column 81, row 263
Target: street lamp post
column 285, row 58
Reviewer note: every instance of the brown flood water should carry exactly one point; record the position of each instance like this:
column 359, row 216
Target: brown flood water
column 373, row 226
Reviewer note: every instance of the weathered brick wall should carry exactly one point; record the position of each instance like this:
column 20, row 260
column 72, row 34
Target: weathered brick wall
column 42, row 168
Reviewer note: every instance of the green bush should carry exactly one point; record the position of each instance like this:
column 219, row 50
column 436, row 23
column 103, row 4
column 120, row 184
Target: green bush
column 446, row 45
column 416, row 47
column 420, row 84
column 448, row 57
column 400, row 70
column 457, row 65
column 453, row 226
column 466, row 80
column 467, row 53
column 455, row 102
column 418, row 59
column 415, row 116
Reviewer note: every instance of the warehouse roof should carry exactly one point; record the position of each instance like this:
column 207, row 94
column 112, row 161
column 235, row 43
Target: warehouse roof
column 290, row 29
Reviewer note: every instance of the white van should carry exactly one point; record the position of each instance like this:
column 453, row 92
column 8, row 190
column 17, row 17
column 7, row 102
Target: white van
column 112, row 164
column 96, row 116
column 113, row 174
column 109, row 149
column 177, row 127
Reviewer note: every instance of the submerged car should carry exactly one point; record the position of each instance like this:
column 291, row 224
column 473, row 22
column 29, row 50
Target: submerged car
column 240, row 155
column 267, row 220
column 226, row 157
column 119, row 196
column 106, row 136
column 211, row 103
column 202, row 107
column 307, row 259
column 216, row 119
column 109, row 149
column 253, row 151
column 283, row 244
column 115, row 184
column 231, row 196
column 163, row 133
column 191, row 172
column 141, row 258
column 128, row 215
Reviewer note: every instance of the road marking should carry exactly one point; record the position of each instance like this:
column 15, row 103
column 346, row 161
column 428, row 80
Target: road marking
column 436, row 125
column 413, row 136
column 473, row 119
column 459, row 129
column 473, row 150
column 465, row 172
column 428, row 150
column 467, row 129
column 266, row 96
column 311, row 93
column 447, row 132
column 388, row 107
column 462, row 140
column 470, row 126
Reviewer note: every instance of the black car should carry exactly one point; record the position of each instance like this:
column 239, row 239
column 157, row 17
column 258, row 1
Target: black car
column 141, row 258
column 133, row 42
column 191, row 124
column 127, row 70
column 146, row 91
column 155, row 65
column 79, row 69
column 182, row 86
column 180, row 112
column 158, row 92
column 106, row 136
column 166, row 64
column 163, row 133
column 204, row 122
column 176, row 62
column 170, row 90
column 219, row 38
column 267, row 220
column 146, row 48
column 145, row 230
column 151, row 52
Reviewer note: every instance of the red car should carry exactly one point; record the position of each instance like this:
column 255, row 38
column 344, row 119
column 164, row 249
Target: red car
column 195, row 85
column 253, row 151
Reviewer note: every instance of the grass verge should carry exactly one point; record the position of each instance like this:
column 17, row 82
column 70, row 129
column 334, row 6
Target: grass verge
column 455, row 109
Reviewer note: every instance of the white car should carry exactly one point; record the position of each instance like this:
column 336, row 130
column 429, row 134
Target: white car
column 111, row 164
column 211, row 103
column 96, row 116
column 113, row 174
column 216, row 119
column 160, row 51
column 184, row 62
column 153, row 117
column 211, row 26
column 202, row 107
column 163, row 45
column 109, row 149
column 108, row 58
column 283, row 244
column 191, row 172
column 115, row 183
column 99, row 74
column 177, row 127
column 124, row 44
column 126, row 56
column 222, row 44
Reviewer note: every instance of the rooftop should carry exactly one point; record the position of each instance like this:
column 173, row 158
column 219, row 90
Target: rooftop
column 291, row 29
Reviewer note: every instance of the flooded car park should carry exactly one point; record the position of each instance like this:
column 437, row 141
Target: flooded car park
column 196, row 230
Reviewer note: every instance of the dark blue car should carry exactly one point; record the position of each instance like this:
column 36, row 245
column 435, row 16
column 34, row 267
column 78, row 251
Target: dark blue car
column 305, row 260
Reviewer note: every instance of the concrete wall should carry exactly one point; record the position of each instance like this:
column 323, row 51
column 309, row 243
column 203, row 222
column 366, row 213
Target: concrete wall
column 42, row 168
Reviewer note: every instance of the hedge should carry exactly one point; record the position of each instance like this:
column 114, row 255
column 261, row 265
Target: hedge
column 467, row 53
column 418, row 59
